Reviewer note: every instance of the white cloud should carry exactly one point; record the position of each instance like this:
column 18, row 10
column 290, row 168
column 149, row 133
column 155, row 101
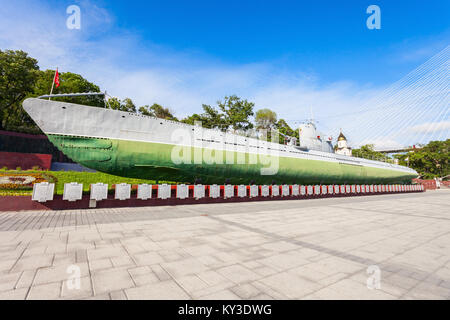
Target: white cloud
column 430, row 127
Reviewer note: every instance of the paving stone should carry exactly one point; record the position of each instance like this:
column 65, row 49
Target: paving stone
column 184, row 267
column 165, row 290
column 238, row 273
column 71, row 290
column 111, row 280
column 49, row 291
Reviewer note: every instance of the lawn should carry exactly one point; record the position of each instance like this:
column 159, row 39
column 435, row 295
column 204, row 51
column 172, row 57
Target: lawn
column 62, row 177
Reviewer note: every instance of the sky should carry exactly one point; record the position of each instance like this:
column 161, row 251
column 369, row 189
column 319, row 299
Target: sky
column 293, row 57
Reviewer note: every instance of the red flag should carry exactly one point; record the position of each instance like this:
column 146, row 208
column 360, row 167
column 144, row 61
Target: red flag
column 57, row 78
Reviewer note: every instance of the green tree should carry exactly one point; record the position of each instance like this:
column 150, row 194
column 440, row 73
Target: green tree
column 430, row 161
column 210, row 118
column 126, row 105
column 237, row 112
column 265, row 119
column 18, row 74
column 69, row 83
column 158, row 111
column 286, row 130
column 367, row 152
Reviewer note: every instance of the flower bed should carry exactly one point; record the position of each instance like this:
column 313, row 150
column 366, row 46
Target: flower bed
column 23, row 181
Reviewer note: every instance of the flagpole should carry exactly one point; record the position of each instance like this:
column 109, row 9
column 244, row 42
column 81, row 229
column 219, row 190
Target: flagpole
column 53, row 83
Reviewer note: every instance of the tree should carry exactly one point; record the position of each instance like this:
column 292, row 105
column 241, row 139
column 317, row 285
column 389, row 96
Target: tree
column 237, row 112
column 367, row 152
column 430, row 161
column 126, row 105
column 18, row 74
column 69, row 83
column 265, row 119
column 210, row 118
column 286, row 130
column 157, row 111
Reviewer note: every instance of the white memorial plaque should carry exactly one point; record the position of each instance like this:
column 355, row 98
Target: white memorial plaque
column 275, row 191
column 336, row 189
column 123, row 191
column 303, row 190
column 253, row 191
column 99, row 191
column 317, row 189
column 228, row 191
column 353, row 188
column 343, row 188
column 330, row 189
column 214, row 191
column 358, row 188
column 371, row 188
column 348, row 189
column 295, row 190
column 323, row 189
column 73, row 191
column 265, row 191
column 43, row 191
column 182, row 191
column 164, row 191
column 310, row 190
column 285, row 190
column 199, row 191
column 242, row 191
column 144, row 191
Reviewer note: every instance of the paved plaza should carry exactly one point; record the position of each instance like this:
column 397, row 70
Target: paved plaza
column 334, row 248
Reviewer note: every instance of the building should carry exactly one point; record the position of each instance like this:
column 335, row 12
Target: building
column 342, row 147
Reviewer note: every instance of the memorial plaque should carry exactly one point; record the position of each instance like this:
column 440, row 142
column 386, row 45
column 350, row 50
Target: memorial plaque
column 310, row 190
column 199, row 191
column 285, row 190
column 242, row 191
column 295, row 190
column 323, row 189
column 348, row 189
column 99, row 191
column 343, row 188
column 336, row 189
column 182, row 191
column 164, row 191
column 123, row 191
column 228, row 191
column 275, row 191
column 353, row 188
column 358, row 188
column 330, row 189
column 265, row 191
column 317, row 189
column 43, row 191
column 303, row 190
column 254, row 191
column 371, row 188
column 214, row 191
column 73, row 191
column 144, row 191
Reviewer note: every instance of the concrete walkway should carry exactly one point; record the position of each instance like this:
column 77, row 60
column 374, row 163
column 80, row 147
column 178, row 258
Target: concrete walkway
column 336, row 248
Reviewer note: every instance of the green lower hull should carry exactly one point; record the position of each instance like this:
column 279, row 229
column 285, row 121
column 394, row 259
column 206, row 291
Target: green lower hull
column 153, row 161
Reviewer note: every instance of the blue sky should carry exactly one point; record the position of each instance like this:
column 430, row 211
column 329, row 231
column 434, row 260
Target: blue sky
column 290, row 56
column 326, row 37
